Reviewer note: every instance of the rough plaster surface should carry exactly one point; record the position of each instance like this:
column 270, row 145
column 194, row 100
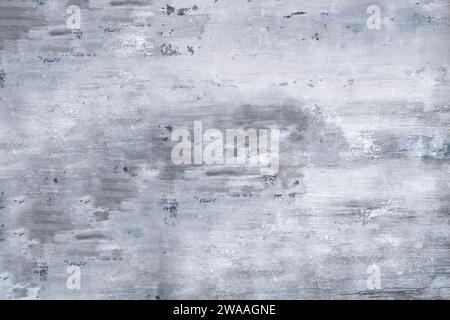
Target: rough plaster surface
column 86, row 178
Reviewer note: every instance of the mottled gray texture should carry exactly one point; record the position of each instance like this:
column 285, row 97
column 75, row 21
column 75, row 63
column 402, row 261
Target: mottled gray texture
column 85, row 171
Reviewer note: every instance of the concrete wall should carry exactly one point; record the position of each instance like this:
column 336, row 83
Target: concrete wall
column 359, row 208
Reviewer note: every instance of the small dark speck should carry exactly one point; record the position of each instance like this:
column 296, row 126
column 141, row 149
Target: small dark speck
column 158, row 297
column 41, row 271
column 349, row 82
column 182, row 11
column 278, row 195
column 125, row 169
column 168, row 50
column 171, row 206
column 51, row 60
column 55, row 180
column 169, row 10
column 297, row 13
column 2, row 78
column 77, row 34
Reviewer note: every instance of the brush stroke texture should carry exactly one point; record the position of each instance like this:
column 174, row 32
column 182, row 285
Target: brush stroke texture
column 85, row 171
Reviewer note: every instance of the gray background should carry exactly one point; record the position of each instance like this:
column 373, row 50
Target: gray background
column 85, row 171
